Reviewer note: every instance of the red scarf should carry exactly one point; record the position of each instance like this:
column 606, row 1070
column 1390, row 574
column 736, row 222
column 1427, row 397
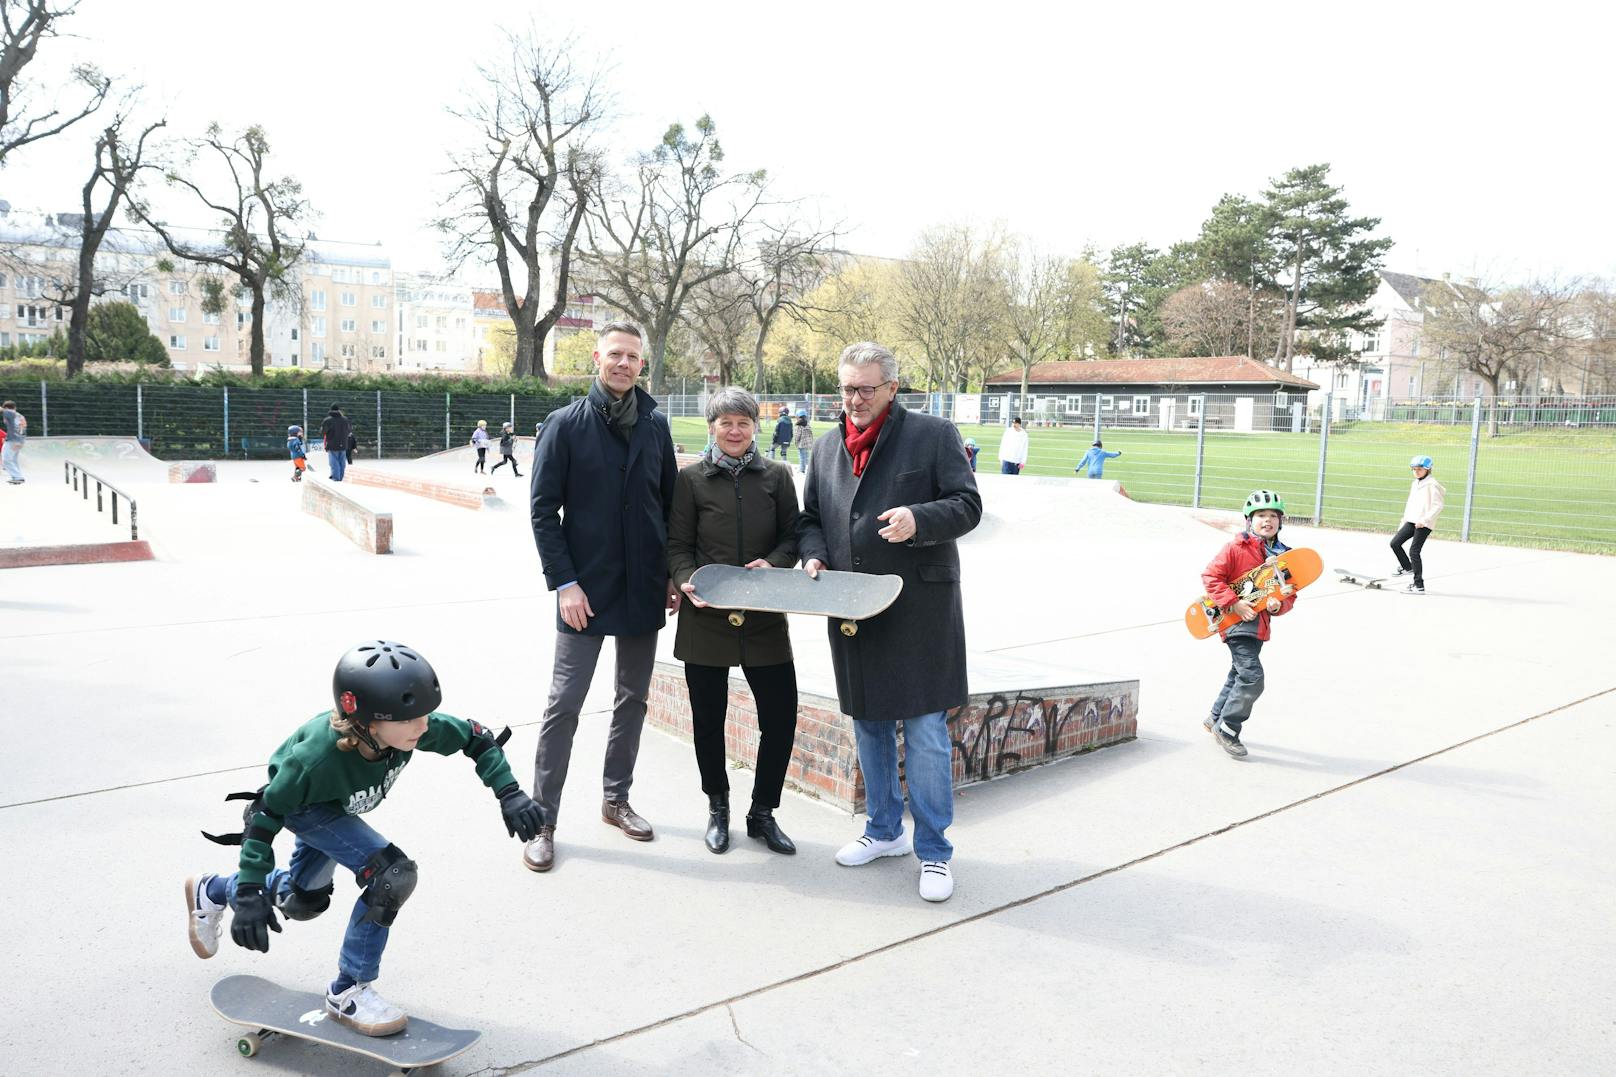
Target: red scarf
column 861, row 443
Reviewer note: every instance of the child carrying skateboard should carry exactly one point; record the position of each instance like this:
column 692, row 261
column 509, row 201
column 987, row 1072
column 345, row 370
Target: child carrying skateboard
column 332, row 770
column 1265, row 514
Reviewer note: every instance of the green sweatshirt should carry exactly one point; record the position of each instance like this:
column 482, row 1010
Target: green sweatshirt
column 308, row 769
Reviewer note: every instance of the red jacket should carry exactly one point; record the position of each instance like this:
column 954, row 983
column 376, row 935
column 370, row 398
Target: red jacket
column 1233, row 561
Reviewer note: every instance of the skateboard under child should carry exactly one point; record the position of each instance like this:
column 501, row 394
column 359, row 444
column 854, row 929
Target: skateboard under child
column 277, row 1011
column 849, row 596
column 1276, row 577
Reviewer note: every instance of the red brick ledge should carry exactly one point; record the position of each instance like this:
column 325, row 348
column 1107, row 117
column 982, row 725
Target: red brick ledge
column 467, row 497
column 370, row 530
column 83, row 553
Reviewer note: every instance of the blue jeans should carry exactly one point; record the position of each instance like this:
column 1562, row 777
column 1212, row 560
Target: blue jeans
column 802, row 460
column 326, row 837
column 338, row 459
column 1243, row 684
column 1007, row 468
column 928, row 767
column 8, row 456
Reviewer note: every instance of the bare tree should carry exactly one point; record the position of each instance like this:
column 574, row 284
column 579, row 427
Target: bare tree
column 679, row 223
column 23, row 25
column 950, row 300
column 1487, row 330
column 1220, row 317
column 719, row 315
column 1036, row 308
column 788, row 262
column 263, row 226
column 523, row 192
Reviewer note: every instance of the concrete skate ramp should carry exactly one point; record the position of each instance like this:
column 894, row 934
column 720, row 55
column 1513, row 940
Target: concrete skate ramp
column 113, row 458
column 370, row 528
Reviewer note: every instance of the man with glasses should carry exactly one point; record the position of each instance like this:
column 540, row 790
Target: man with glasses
column 888, row 492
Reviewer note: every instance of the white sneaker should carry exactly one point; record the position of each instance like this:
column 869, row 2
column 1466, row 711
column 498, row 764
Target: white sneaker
column 936, row 881
column 866, row 849
column 205, row 920
column 365, row 1011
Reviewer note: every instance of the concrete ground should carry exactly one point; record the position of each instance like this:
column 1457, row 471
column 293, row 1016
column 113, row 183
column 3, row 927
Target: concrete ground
column 1411, row 873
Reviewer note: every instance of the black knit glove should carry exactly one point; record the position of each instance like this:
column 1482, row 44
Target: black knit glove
column 522, row 816
column 254, row 919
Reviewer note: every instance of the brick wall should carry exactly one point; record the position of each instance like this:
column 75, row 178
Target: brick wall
column 994, row 734
column 467, row 497
column 371, row 531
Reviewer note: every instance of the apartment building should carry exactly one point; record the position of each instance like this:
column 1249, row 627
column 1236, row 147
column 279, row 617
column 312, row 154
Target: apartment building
column 433, row 324
column 342, row 318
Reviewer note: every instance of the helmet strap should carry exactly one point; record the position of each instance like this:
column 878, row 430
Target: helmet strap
column 362, row 731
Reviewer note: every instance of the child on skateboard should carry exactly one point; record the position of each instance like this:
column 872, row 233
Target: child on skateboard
column 1265, row 514
column 1424, row 505
column 334, row 768
column 298, row 451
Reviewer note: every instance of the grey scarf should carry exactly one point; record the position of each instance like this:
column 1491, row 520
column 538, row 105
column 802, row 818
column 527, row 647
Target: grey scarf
column 621, row 414
column 719, row 458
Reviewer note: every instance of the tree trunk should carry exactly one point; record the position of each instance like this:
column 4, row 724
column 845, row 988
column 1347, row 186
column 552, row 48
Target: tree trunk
column 256, row 351
column 1492, row 400
column 527, row 361
column 659, row 350
column 78, row 325
column 1290, row 314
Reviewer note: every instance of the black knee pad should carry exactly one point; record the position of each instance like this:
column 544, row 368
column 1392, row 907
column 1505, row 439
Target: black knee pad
column 389, row 879
column 301, row 904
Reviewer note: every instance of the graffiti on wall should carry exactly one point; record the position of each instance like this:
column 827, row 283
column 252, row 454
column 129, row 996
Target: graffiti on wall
column 1005, row 731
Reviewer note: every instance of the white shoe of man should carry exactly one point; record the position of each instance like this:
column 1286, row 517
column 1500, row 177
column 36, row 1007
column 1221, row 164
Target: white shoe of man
column 365, row 1011
column 865, row 849
column 936, row 881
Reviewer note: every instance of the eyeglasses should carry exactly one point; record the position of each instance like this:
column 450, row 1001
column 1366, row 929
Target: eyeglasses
column 865, row 392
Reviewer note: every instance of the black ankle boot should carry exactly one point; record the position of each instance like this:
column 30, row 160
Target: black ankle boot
column 760, row 824
column 718, row 823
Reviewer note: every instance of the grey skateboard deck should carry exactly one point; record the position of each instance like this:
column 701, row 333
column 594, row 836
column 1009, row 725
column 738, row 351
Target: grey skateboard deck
column 1363, row 579
column 850, row 597
column 276, row 1011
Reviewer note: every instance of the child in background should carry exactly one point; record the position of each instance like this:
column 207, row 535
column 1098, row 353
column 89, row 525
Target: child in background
column 507, row 446
column 298, row 451
column 479, row 441
column 1265, row 515
column 337, row 766
column 1094, row 460
column 970, row 451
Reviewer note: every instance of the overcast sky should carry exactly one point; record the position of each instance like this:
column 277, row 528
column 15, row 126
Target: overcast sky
column 1479, row 134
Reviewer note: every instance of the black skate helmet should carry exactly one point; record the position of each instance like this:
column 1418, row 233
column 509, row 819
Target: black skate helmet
column 381, row 681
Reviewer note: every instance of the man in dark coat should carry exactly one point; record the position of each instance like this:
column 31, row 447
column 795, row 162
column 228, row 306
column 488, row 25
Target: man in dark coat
column 890, row 491
column 335, row 429
column 602, row 485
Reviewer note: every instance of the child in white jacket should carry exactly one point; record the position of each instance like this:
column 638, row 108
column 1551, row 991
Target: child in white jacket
column 1425, row 500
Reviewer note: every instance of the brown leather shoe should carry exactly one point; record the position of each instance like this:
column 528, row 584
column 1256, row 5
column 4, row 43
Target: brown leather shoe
column 539, row 854
column 620, row 815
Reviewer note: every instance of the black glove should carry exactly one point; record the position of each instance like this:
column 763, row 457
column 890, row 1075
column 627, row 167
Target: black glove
column 522, row 816
column 254, row 919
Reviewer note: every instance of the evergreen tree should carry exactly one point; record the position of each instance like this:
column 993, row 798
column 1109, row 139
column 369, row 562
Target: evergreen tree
column 1135, row 282
column 1331, row 266
column 117, row 332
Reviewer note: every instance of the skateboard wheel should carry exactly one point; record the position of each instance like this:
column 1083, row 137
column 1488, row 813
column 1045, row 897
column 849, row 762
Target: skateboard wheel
column 737, row 619
column 849, row 628
column 248, row 1045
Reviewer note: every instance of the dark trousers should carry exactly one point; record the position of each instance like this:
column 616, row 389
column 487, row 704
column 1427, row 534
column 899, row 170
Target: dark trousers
column 506, row 458
column 774, row 690
column 1411, row 559
column 1243, row 684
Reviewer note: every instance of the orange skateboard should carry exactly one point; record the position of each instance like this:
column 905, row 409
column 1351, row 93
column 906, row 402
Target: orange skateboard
column 1278, row 577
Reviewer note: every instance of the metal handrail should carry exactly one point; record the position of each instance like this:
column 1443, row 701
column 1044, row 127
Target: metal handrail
column 79, row 478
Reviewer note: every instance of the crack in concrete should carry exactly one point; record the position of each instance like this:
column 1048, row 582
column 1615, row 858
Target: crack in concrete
column 736, row 1028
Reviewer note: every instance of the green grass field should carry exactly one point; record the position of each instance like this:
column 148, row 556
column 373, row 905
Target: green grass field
column 1550, row 488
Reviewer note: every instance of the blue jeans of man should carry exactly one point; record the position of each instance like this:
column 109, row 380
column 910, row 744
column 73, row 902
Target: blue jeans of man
column 928, row 770
column 326, row 837
column 8, row 456
column 1243, row 684
column 338, row 458
column 1007, row 468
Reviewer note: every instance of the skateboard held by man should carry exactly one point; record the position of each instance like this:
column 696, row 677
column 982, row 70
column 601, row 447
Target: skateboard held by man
column 850, row 597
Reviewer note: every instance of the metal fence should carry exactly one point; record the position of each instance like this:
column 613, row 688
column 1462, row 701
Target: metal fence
column 198, row 422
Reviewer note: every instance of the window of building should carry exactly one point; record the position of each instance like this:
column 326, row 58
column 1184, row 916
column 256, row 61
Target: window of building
column 176, row 314
column 210, row 318
column 5, row 340
column 1108, row 403
column 349, row 351
column 210, row 344
column 1141, row 405
column 1371, row 342
column 317, row 353
column 378, row 326
column 1125, row 405
column 443, row 346
column 420, row 345
column 135, row 290
column 176, row 341
column 349, row 325
column 378, row 351
column 317, row 299
column 176, row 287
column 294, row 332
column 1074, row 404
column 1194, row 403
column 340, row 274
column 420, row 321
column 460, row 323
column 317, row 327
column 30, row 286
column 2, row 280
column 348, row 299
column 242, row 318
column 379, row 301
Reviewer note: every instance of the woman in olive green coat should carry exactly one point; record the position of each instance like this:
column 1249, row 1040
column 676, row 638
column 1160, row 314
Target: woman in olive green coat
column 736, row 507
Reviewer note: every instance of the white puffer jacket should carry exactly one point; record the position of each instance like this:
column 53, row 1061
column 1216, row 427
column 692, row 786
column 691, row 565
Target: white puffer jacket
column 1425, row 500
